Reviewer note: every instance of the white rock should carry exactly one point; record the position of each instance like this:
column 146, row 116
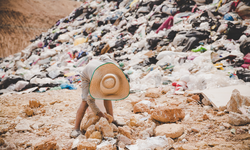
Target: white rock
column 24, row 125
column 169, row 130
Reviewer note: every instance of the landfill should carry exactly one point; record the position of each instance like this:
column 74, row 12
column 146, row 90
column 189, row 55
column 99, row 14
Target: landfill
column 168, row 49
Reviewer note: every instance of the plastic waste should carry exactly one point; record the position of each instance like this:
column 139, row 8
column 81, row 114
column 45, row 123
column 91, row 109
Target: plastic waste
column 68, row 86
column 225, row 8
column 243, row 11
column 231, row 16
column 199, row 49
column 181, row 16
column 20, row 85
column 167, row 24
column 247, row 58
column 169, row 10
column 222, row 28
column 81, row 62
column 80, row 41
column 56, row 88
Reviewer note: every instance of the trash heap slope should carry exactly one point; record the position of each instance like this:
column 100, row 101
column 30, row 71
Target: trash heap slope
column 189, row 44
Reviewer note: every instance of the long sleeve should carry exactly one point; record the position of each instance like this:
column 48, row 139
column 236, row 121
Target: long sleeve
column 92, row 105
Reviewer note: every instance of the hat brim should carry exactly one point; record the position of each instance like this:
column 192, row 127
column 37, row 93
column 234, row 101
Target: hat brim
column 108, row 68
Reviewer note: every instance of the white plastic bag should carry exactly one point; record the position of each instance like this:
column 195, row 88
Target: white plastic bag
column 20, row 85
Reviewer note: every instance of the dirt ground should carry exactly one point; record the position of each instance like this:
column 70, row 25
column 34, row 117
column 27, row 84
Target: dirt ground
column 22, row 20
column 56, row 115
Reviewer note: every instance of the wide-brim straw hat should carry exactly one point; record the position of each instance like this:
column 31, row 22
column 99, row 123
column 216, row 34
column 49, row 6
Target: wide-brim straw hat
column 108, row 82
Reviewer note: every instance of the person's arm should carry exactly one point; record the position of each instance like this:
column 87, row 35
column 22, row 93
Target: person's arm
column 94, row 107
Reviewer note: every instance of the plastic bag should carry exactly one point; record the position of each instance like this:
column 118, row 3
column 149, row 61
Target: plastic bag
column 80, row 41
column 20, row 85
column 68, row 86
column 225, row 8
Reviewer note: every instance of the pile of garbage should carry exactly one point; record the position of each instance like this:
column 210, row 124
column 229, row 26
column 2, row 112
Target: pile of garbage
column 189, row 44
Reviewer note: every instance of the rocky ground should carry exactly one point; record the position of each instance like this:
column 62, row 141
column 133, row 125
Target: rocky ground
column 45, row 120
column 22, row 20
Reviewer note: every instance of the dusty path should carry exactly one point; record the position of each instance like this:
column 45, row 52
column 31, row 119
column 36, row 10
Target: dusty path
column 22, row 20
column 55, row 119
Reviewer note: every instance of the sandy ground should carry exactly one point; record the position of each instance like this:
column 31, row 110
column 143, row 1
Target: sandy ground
column 56, row 115
column 22, row 20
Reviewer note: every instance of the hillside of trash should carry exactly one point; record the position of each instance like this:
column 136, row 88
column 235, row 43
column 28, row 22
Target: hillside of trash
column 188, row 63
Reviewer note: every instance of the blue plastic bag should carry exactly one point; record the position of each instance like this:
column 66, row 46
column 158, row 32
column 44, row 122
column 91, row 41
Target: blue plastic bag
column 68, row 86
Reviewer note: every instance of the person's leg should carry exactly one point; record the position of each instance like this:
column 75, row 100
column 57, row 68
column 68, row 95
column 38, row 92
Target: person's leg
column 108, row 107
column 80, row 113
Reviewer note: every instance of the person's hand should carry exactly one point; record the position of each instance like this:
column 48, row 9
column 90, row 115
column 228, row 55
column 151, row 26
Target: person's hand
column 100, row 114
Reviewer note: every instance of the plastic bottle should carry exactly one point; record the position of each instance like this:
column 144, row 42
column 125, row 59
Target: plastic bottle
column 199, row 49
column 222, row 28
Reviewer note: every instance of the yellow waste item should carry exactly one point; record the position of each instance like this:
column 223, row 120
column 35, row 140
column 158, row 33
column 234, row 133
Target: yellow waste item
column 69, row 74
column 219, row 66
column 134, row 1
column 80, row 41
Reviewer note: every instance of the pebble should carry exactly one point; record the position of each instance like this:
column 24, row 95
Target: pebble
column 221, row 113
column 222, row 128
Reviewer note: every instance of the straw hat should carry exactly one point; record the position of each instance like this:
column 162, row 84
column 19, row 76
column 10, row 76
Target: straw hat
column 108, row 82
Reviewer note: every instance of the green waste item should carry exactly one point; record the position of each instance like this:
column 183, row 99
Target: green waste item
column 233, row 131
column 168, row 67
column 129, row 72
column 54, row 31
column 56, row 88
column 199, row 49
column 121, row 64
column 167, row 82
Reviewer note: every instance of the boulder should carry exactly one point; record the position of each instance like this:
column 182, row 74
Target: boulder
column 165, row 90
column 221, row 113
column 115, row 129
column 153, row 92
column 3, row 130
column 187, row 147
column 195, row 130
column 50, row 144
column 134, row 99
column 190, row 100
column 34, row 104
column 196, row 97
column 124, row 139
column 206, row 102
column 110, row 118
column 205, row 117
column 89, row 131
column 169, row 130
column 141, row 107
column 29, row 112
column 238, row 119
column 226, row 125
column 104, row 127
column 133, row 122
column 107, row 147
column 86, row 145
column 96, row 135
column 125, row 130
column 237, row 101
column 121, row 145
column 167, row 114
column 24, row 125
column 88, row 120
column 2, row 142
